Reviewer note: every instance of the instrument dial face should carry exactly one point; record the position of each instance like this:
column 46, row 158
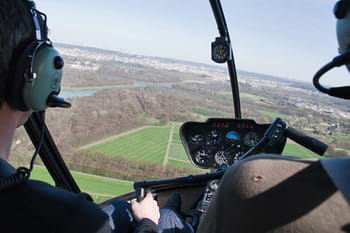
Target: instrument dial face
column 220, row 52
column 221, row 157
column 197, row 139
column 202, row 157
column 251, row 139
column 213, row 137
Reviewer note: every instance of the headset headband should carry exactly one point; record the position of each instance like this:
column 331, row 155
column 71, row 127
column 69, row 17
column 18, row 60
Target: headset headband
column 34, row 12
column 40, row 37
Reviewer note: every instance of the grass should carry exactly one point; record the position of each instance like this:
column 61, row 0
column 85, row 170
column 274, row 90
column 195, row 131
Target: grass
column 176, row 134
column 102, row 185
column 178, row 163
column 177, row 151
column 148, row 144
column 257, row 98
column 297, row 150
column 100, row 188
column 273, row 114
column 341, row 137
column 41, row 173
column 224, row 92
column 251, row 96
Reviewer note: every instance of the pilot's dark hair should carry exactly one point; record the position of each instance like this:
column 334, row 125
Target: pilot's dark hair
column 16, row 29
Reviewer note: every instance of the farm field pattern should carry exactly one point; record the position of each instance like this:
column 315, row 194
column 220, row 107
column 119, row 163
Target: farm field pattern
column 100, row 188
column 149, row 144
column 146, row 144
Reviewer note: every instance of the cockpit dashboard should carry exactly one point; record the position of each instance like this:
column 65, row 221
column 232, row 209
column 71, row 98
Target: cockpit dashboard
column 219, row 141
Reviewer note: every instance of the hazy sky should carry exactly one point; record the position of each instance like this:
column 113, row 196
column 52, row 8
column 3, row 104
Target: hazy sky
column 286, row 38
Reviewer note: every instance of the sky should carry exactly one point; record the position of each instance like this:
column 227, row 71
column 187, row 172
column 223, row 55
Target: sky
column 284, row 38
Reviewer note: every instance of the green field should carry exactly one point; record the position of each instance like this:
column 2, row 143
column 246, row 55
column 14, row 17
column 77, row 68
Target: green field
column 100, row 188
column 176, row 134
column 297, row 150
column 178, row 163
column 253, row 97
column 177, row 151
column 148, row 144
column 273, row 115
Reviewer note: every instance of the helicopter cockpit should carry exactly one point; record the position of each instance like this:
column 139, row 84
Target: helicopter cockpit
column 215, row 146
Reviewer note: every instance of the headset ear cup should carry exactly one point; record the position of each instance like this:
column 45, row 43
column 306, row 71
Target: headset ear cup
column 32, row 93
column 19, row 64
column 47, row 65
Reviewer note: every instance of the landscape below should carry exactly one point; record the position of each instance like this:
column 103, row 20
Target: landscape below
column 127, row 110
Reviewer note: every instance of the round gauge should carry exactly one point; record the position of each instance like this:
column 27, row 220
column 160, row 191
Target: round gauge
column 220, row 52
column 197, row 139
column 251, row 139
column 221, row 157
column 213, row 137
column 202, row 157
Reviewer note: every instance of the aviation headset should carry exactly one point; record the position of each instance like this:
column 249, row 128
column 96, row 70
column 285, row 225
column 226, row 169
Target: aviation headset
column 36, row 70
column 342, row 13
column 36, row 73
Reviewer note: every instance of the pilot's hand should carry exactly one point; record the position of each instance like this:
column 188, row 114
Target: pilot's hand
column 147, row 208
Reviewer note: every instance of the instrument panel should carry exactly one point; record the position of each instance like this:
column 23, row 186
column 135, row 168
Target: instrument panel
column 222, row 141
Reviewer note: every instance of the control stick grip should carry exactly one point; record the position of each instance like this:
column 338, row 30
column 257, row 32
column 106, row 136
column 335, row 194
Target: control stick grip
column 307, row 141
column 140, row 193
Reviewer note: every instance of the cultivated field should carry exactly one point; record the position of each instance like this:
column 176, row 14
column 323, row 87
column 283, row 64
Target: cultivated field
column 163, row 145
column 100, row 188
column 156, row 144
column 293, row 149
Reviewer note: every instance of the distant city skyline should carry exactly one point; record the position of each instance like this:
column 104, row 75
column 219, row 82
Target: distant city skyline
column 290, row 39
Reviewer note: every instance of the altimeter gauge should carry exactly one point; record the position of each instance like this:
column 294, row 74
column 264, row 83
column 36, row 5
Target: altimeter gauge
column 251, row 139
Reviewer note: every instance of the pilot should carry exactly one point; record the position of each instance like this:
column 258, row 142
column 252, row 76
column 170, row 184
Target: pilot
column 268, row 193
column 34, row 206
column 30, row 76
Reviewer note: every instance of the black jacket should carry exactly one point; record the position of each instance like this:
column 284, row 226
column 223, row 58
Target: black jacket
column 36, row 206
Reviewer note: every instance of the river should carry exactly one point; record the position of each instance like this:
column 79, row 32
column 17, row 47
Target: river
column 69, row 93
